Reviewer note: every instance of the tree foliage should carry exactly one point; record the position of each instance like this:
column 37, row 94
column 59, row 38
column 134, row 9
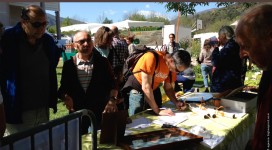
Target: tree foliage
column 188, row 8
column 52, row 29
column 66, row 22
column 107, row 21
column 152, row 17
column 137, row 17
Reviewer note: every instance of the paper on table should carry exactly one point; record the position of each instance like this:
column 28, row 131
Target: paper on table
column 172, row 120
column 209, row 139
column 139, row 123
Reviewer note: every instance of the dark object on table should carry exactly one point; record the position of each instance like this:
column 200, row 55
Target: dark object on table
column 214, row 115
column 168, row 126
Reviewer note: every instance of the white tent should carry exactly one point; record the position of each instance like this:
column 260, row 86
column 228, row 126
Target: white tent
column 93, row 27
column 77, row 27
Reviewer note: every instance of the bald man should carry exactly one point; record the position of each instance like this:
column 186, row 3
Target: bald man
column 254, row 35
column 87, row 81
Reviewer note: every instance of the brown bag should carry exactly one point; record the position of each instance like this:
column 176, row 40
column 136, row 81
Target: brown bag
column 113, row 127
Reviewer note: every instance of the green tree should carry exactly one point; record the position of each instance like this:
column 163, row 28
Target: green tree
column 136, row 16
column 107, row 21
column 188, row 8
column 195, row 49
column 52, row 29
column 66, row 22
column 152, row 17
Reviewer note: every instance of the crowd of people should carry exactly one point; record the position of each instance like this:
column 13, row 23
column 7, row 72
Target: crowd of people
column 92, row 79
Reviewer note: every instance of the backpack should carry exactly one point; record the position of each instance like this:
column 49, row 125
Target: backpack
column 132, row 60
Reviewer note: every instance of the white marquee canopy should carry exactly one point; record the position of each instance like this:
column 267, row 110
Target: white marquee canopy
column 93, row 27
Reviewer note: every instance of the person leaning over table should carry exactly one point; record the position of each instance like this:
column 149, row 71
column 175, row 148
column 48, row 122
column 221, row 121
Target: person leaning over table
column 254, row 35
column 140, row 84
column 28, row 71
column 87, row 81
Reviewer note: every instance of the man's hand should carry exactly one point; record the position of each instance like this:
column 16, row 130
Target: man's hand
column 166, row 112
column 110, row 107
column 180, row 105
column 68, row 101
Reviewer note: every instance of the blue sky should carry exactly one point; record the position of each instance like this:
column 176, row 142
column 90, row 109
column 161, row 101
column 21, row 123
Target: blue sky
column 90, row 12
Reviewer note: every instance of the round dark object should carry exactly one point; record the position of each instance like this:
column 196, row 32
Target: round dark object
column 206, row 117
column 214, row 115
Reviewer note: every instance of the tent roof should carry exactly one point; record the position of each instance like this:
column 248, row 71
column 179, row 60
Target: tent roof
column 93, row 27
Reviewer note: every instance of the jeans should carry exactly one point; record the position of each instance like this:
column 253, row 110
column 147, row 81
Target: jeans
column 136, row 102
column 206, row 71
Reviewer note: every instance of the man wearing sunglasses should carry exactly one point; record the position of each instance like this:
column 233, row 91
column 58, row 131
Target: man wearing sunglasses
column 28, row 71
column 87, row 81
column 140, row 85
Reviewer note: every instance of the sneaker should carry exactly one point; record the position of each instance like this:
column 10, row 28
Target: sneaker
column 207, row 90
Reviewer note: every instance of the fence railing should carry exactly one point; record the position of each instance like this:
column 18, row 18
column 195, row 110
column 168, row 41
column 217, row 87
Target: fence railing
column 59, row 134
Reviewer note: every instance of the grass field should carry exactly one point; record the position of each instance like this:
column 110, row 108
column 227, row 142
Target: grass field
column 252, row 79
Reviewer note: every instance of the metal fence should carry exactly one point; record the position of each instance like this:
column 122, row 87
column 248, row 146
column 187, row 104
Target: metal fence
column 59, row 134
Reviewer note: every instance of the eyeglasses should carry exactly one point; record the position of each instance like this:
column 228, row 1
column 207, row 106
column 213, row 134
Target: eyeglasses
column 38, row 24
column 81, row 42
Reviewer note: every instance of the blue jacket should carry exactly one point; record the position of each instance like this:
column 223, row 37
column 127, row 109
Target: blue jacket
column 9, row 72
column 228, row 66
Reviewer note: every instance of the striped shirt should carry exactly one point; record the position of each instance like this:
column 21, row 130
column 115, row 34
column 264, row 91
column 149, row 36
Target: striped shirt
column 84, row 71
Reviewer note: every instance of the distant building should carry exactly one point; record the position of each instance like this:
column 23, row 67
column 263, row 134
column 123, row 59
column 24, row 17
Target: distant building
column 183, row 33
column 201, row 37
column 10, row 12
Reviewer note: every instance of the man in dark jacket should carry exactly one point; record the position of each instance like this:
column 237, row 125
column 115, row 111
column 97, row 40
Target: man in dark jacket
column 87, row 81
column 28, row 71
column 227, row 62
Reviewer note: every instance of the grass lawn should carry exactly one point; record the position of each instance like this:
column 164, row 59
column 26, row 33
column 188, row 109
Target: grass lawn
column 62, row 111
column 252, row 79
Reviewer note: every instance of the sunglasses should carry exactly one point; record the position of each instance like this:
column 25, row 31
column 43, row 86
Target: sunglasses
column 81, row 42
column 38, row 24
